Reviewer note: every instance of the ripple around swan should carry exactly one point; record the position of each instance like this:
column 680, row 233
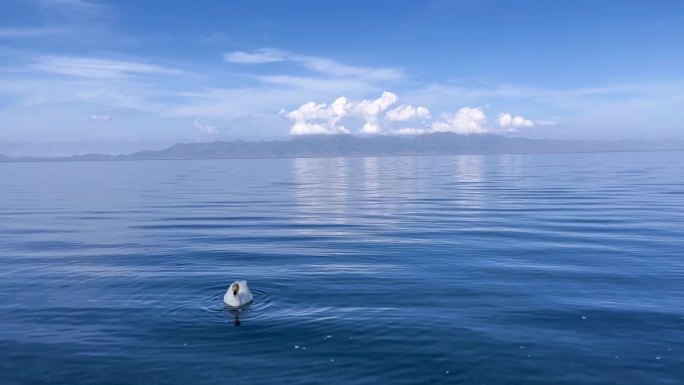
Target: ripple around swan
column 263, row 311
column 210, row 308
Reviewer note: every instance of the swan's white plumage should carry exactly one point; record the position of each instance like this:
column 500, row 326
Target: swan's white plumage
column 243, row 296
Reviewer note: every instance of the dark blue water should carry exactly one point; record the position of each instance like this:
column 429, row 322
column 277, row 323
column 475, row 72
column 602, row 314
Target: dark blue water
column 509, row 269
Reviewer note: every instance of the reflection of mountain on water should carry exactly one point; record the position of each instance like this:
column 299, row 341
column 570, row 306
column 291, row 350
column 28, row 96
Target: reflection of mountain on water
column 440, row 143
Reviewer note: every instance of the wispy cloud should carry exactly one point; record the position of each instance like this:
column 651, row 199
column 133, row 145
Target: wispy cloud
column 318, row 83
column 331, row 67
column 73, row 3
column 100, row 117
column 261, row 56
column 98, row 68
column 19, row 32
column 546, row 123
column 313, row 63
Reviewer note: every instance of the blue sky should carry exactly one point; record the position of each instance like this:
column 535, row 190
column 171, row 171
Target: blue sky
column 109, row 75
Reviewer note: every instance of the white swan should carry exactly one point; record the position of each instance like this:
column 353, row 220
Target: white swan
column 238, row 294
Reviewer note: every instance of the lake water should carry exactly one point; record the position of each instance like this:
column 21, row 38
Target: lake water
column 502, row 269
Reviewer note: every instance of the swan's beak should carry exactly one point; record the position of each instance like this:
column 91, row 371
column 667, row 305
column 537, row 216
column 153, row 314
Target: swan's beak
column 236, row 287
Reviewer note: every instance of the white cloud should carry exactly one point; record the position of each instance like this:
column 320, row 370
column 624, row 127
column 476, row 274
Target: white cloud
column 304, row 128
column 505, row 119
column 308, row 111
column 338, row 110
column 405, row 113
column 410, row 131
column 98, row 68
column 512, row 123
column 100, row 117
column 467, row 120
column 312, row 118
column 206, row 128
column 370, row 109
column 319, row 118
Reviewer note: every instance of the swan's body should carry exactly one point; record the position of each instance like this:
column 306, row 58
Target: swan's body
column 238, row 294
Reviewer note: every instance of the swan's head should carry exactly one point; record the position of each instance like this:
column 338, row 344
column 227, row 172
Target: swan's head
column 238, row 294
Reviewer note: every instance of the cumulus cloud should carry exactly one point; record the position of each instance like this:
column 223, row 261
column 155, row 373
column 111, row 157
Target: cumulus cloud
column 405, row 113
column 370, row 110
column 206, row 128
column 467, row 120
column 313, row 118
column 378, row 117
column 512, row 123
column 319, row 118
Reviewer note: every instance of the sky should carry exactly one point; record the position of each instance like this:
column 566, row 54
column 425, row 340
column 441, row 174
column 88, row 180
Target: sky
column 115, row 76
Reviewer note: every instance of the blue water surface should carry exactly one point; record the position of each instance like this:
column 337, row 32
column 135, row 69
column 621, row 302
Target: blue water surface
column 498, row 269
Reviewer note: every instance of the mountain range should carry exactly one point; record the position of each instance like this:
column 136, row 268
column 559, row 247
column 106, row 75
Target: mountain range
column 348, row 145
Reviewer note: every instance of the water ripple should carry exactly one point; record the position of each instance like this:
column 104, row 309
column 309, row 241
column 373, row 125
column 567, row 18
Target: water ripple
column 494, row 269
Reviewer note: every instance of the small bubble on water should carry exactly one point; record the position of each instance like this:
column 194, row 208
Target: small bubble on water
column 332, row 360
column 296, row 346
column 447, row 372
column 583, row 317
column 657, row 358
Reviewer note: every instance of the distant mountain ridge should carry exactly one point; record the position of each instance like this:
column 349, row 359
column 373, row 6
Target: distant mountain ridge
column 441, row 143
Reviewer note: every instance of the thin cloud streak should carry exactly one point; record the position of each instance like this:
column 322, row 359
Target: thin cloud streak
column 313, row 63
column 31, row 32
column 98, row 68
